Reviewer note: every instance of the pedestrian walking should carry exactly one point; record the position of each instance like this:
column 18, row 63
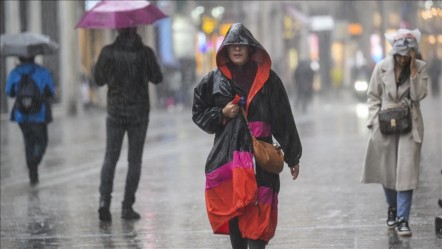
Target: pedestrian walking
column 393, row 160
column 242, row 201
column 434, row 71
column 126, row 67
column 303, row 78
column 32, row 86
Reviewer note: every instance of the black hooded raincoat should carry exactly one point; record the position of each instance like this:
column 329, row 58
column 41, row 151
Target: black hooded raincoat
column 233, row 187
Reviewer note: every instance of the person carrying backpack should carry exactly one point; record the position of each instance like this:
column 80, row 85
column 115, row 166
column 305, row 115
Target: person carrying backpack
column 31, row 85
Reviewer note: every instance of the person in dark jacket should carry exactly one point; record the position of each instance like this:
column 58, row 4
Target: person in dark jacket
column 239, row 201
column 434, row 72
column 34, row 126
column 126, row 66
column 303, row 77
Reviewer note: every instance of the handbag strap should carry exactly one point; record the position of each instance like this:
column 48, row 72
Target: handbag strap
column 247, row 121
column 245, row 116
column 276, row 144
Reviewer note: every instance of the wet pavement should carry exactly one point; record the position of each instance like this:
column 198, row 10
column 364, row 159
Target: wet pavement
column 326, row 207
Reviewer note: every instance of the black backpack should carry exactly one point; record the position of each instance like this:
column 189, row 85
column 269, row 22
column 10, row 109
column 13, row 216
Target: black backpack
column 29, row 99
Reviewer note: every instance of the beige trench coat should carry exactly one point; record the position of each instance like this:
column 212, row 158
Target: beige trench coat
column 394, row 160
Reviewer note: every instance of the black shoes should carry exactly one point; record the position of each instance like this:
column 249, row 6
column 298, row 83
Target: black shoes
column 104, row 214
column 402, row 227
column 399, row 223
column 129, row 214
column 126, row 213
column 391, row 219
column 103, row 211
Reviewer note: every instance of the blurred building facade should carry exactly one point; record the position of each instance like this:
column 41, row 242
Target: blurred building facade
column 341, row 35
column 338, row 35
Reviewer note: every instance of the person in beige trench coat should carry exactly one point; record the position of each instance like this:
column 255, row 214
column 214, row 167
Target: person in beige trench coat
column 394, row 160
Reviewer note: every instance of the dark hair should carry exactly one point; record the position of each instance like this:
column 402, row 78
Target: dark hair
column 405, row 73
column 127, row 31
column 26, row 59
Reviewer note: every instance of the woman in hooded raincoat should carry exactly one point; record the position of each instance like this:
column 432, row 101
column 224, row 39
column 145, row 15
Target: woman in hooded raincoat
column 242, row 201
column 394, row 160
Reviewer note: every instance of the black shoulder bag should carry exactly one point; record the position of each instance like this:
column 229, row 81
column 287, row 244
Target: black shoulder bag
column 395, row 120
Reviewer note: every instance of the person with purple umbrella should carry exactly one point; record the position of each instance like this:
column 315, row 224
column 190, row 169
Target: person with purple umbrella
column 126, row 66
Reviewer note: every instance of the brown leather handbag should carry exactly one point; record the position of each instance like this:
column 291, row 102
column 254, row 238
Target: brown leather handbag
column 269, row 157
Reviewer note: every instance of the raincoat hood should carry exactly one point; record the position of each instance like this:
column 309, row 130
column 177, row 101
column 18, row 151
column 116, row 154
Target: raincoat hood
column 239, row 34
column 129, row 41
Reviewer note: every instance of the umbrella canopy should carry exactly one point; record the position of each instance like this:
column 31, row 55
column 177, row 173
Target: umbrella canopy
column 27, row 44
column 120, row 14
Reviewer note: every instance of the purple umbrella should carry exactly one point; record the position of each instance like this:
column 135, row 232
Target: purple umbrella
column 120, row 14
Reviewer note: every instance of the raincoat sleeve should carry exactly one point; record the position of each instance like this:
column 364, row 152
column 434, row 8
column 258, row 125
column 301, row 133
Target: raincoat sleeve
column 103, row 68
column 374, row 96
column 204, row 113
column 283, row 123
column 153, row 70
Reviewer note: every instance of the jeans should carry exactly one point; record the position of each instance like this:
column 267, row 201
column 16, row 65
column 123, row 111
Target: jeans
column 36, row 141
column 136, row 133
column 401, row 200
column 238, row 242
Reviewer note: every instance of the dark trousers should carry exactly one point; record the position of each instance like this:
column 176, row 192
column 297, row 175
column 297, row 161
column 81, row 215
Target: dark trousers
column 238, row 242
column 136, row 133
column 36, row 141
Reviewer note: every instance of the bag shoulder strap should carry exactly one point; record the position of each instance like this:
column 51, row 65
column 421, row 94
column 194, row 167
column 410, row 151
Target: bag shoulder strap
column 247, row 121
column 245, row 116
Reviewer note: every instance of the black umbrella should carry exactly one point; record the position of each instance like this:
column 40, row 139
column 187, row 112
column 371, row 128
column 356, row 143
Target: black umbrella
column 27, row 44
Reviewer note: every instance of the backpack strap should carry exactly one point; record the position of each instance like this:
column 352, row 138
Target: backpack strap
column 30, row 73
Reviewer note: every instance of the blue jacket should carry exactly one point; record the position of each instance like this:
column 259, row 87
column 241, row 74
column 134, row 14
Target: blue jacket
column 43, row 79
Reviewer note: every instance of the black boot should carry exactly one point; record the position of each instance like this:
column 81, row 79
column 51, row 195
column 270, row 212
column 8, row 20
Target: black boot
column 33, row 176
column 128, row 213
column 103, row 210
